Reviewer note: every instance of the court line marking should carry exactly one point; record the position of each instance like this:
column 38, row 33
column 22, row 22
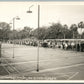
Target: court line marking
column 73, row 76
column 30, row 61
column 4, row 64
column 13, row 68
column 8, row 64
column 6, row 69
column 63, row 67
column 65, row 75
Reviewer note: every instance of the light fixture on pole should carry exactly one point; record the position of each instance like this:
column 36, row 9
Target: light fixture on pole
column 29, row 11
column 15, row 18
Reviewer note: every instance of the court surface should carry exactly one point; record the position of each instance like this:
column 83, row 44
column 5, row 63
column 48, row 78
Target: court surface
column 54, row 64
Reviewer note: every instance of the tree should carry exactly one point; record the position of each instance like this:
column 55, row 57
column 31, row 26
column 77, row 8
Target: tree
column 24, row 33
column 64, row 30
column 5, row 29
column 73, row 29
column 81, row 26
column 82, row 35
column 54, row 31
column 39, row 33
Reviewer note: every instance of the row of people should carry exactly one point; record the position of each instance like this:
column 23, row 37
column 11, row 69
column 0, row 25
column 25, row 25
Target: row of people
column 78, row 46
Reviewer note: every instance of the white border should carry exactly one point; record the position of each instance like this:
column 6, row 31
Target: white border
column 46, row 81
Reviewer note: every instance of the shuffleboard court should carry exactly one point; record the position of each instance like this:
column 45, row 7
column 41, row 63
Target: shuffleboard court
column 54, row 63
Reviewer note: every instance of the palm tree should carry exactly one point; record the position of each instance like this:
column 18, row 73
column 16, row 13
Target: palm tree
column 81, row 25
column 65, row 27
column 73, row 28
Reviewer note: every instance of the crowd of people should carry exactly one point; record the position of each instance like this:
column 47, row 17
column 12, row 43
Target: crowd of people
column 76, row 45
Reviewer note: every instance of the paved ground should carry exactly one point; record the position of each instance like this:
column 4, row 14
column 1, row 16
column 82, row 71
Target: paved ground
column 55, row 64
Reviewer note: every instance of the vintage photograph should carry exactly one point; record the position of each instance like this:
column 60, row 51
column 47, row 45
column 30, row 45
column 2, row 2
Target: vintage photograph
column 41, row 40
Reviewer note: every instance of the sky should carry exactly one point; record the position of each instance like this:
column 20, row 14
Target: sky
column 50, row 12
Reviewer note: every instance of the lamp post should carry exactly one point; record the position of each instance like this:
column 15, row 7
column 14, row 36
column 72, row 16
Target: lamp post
column 0, row 45
column 15, row 18
column 38, row 38
column 38, row 35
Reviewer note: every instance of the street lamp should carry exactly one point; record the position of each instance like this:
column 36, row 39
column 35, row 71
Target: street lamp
column 15, row 18
column 38, row 34
column 29, row 11
column 0, row 45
